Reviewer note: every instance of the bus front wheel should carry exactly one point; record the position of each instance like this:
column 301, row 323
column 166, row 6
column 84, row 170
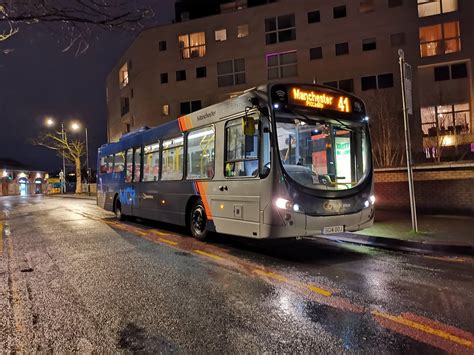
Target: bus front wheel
column 118, row 210
column 198, row 221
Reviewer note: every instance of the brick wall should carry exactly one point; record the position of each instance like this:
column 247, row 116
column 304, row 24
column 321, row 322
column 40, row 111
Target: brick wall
column 438, row 188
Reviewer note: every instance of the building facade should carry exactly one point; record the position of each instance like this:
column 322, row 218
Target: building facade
column 17, row 179
column 175, row 69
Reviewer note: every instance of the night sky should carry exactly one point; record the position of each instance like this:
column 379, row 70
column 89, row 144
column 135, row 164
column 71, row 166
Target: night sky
column 37, row 80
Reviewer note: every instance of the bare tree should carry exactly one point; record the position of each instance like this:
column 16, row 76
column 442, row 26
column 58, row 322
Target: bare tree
column 386, row 128
column 75, row 20
column 71, row 149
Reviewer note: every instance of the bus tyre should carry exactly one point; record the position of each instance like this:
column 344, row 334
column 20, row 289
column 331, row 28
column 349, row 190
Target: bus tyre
column 198, row 221
column 118, row 210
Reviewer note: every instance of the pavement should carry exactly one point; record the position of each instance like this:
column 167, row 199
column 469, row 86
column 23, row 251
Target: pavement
column 437, row 234
column 392, row 229
column 73, row 279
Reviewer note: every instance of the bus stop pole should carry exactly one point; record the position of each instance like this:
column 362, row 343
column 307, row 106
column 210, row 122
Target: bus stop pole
column 406, row 123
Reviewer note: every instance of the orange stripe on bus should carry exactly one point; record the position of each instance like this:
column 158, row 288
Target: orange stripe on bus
column 202, row 190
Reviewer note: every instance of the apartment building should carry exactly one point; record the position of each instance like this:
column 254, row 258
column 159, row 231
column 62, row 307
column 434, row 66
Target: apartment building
column 175, row 69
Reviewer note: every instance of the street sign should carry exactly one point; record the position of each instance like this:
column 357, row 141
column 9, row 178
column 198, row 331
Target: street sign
column 408, row 88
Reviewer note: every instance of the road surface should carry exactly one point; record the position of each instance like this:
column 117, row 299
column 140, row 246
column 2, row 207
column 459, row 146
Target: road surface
column 72, row 278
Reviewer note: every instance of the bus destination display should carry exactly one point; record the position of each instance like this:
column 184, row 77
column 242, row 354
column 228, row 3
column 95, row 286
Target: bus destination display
column 319, row 99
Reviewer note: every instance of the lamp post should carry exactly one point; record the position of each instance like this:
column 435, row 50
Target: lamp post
column 76, row 126
column 50, row 123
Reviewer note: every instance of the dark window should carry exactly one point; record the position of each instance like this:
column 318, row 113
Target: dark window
column 195, row 105
column 131, row 93
column 340, row 11
column 332, row 84
column 385, row 81
column 397, row 39
column 342, row 48
column 314, row 16
column 346, row 85
column 458, row 71
column 231, row 72
column 441, row 73
column 180, row 75
column 369, row 44
column 368, row 82
column 124, row 105
column 395, row 3
column 164, row 78
column 127, row 127
column 162, row 46
column 315, row 53
column 280, row 29
column 201, row 72
column 184, row 108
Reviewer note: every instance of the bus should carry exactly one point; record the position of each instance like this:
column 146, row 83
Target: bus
column 278, row 161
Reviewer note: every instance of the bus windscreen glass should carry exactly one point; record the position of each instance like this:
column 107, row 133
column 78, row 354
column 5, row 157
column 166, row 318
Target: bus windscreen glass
column 323, row 155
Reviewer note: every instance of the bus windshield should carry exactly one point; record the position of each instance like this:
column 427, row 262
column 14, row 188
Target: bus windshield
column 322, row 153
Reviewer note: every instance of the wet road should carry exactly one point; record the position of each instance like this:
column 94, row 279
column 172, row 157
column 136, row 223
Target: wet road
column 74, row 279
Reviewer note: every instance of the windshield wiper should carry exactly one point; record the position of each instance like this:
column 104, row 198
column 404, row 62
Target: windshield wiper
column 319, row 121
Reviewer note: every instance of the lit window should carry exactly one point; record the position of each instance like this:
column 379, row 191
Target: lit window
column 123, row 75
column 436, row 7
column 446, row 119
column 231, row 72
column 440, row 39
column 242, row 31
column 165, row 110
column 221, row 35
column 280, row 29
column 366, row 6
column 192, row 45
column 282, row 65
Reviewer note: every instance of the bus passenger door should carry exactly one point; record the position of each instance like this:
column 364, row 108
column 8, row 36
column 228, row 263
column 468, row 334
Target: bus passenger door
column 237, row 192
column 127, row 193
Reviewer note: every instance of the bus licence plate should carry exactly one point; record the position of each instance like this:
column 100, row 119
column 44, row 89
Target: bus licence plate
column 333, row 229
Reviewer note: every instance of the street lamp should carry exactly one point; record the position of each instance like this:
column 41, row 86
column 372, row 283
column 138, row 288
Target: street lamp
column 50, row 122
column 75, row 126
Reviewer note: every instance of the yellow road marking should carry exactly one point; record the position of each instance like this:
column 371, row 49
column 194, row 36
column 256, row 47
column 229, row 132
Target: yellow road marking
column 167, row 241
column 424, row 328
column 158, row 232
column 318, row 290
column 271, row 275
column 209, row 255
column 1, row 238
column 448, row 259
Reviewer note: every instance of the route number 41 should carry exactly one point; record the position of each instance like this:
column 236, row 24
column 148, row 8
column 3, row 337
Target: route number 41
column 343, row 104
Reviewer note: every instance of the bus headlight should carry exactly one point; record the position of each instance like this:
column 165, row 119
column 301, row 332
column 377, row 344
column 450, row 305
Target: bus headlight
column 366, row 204
column 284, row 204
column 372, row 199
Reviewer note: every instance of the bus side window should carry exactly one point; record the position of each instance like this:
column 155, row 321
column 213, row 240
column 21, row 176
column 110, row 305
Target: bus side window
column 241, row 158
column 137, row 164
column 200, row 150
column 172, row 158
column 129, row 166
column 119, row 161
column 265, row 148
column 103, row 165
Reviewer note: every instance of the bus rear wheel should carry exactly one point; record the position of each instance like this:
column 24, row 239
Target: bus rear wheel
column 198, row 221
column 118, row 210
